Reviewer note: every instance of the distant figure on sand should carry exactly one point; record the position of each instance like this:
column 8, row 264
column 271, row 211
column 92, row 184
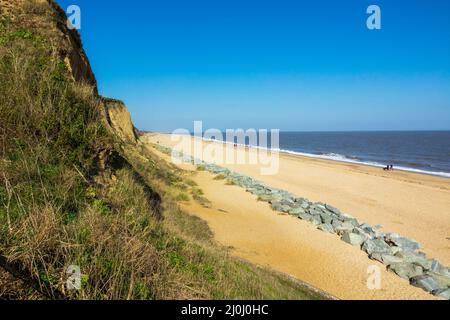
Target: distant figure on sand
column 389, row 167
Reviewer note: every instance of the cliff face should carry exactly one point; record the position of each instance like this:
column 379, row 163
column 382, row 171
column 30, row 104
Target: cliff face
column 50, row 19
column 119, row 120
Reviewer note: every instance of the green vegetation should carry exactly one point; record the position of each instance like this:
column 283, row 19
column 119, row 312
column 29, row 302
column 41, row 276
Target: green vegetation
column 61, row 204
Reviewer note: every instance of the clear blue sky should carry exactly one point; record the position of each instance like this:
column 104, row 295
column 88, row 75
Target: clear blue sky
column 292, row 65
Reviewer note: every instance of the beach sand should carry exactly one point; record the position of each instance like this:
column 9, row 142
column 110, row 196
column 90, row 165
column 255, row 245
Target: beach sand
column 413, row 205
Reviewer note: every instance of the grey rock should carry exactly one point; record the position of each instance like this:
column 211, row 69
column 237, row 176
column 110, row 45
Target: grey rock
column 305, row 216
column 296, row 211
column 326, row 217
column 326, row 228
column 353, row 221
column 385, row 259
column 344, row 228
column 314, row 210
column 425, row 282
column 406, row 270
column 367, row 228
column 388, row 259
column 363, row 232
column 316, row 220
column 442, row 293
column 376, row 256
column 404, row 243
column 333, row 209
column 336, row 223
column 415, row 258
column 266, row 198
column 443, row 281
column 435, row 265
column 376, row 246
column 353, row 239
column 278, row 206
column 287, row 202
column 305, row 205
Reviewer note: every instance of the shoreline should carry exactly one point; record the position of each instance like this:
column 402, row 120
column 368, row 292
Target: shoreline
column 411, row 204
column 255, row 232
column 336, row 158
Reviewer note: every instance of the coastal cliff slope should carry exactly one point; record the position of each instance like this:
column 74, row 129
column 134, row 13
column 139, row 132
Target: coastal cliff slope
column 80, row 195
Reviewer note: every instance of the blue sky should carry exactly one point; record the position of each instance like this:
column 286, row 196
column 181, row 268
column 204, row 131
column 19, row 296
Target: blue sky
column 291, row 65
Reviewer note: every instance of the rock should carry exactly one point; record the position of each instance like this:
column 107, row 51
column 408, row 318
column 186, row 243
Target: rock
column 388, row 259
column 404, row 243
column 305, row 216
column 333, row 209
column 326, row 228
column 266, row 198
column 353, row 221
column 443, row 281
column 315, row 211
column 316, row 220
column 435, row 265
column 287, row 202
column 425, row 282
column 385, row 259
column 336, row 223
column 376, row 246
column 326, row 217
column 363, row 232
column 305, row 205
column 442, row 293
column 296, row 211
column 406, row 270
column 443, row 271
column 278, row 206
column 353, row 239
column 302, row 200
column 415, row 258
column 344, row 228
column 367, row 228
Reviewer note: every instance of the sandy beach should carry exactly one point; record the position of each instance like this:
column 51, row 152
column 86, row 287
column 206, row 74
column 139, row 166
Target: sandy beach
column 413, row 205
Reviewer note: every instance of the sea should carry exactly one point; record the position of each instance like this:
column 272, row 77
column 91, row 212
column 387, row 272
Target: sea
column 425, row 152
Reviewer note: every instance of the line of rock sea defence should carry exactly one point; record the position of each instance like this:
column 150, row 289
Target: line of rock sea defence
column 400, row 255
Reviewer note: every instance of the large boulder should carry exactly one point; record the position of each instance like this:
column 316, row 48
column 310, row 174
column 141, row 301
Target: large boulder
column 406, row 270
column 376, row 246
column 425, row 282
column 305, row 216
column 326, row 217
column 385, row 259
column 316, row 220
column 363, row 232
column 353, row 239
column 442, row 293
column 326, row 228
column 296, row 211
column 415, row 258
column 443, row 281
column 345, row 227
column 404, row 243
column 333, row 209
column 280, row 207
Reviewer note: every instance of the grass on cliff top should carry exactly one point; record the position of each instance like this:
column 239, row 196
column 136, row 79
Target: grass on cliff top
column 58, row 210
